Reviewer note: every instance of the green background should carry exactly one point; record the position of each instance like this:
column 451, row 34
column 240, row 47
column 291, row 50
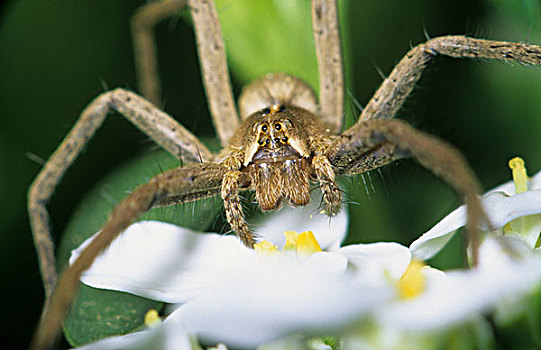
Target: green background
column 55, row 56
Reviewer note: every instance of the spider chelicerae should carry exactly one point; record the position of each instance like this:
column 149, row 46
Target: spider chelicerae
column 284, row 142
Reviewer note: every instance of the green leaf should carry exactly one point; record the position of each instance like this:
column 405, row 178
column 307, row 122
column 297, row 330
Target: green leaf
column 99, row 313
column 268, row 36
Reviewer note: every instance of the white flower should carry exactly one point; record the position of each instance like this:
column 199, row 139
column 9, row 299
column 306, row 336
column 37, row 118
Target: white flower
column 451, row 305
column 227, row 293
column 505, row 281
column 374, row 295
column 512, row 213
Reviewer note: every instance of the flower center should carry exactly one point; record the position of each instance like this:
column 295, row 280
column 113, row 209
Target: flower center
column 303, row 244
column 152, row 319
column 412, row 282
column 520, row 177
column 527, row 228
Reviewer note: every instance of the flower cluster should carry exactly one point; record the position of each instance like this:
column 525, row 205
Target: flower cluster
column 305, row 290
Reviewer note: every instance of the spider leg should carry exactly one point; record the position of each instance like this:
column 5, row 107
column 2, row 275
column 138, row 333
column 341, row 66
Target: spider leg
column 436, row 155
column 326, row 30
column 396, row 88
column 332, row 197
column 160, row 127
column 352, row 161
column 210, row 46
column 143, row 22
column 233, row 207
column 184, row 184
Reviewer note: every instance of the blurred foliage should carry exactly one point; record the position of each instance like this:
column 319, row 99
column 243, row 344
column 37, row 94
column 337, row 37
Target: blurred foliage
column 56, row 56
column 527, row 11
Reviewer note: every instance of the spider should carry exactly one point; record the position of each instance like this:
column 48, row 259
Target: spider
column 284, row 142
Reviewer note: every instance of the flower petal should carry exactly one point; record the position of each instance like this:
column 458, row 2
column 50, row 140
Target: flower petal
column 377, row 264
column 264, row 303
column 164, row 262
column 160, row 337
column 329, row 231
column 327, row 262
column 500, row 208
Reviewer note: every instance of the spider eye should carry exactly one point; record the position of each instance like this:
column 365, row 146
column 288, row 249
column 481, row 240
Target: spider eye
column 277, row 140
column 267, row 142
column 284, row 139
column 260, row 142
column 277, row 126
column 266, row 111
column 264, row 128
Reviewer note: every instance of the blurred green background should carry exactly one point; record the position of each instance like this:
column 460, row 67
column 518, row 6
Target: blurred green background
column 55, row 56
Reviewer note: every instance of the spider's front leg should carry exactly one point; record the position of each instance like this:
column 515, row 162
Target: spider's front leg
column 324, row 172
column 230, row 195
column 180, row 185
column 399, row 140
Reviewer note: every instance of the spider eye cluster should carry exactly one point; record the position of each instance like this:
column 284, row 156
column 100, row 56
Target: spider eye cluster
column 272, row 133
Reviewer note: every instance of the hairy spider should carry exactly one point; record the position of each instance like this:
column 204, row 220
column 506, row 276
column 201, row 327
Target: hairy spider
column 283, row 142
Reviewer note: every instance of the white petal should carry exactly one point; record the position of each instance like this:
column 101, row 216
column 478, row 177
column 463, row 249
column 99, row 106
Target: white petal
column 263, row 304
column 500, row 208
column 164, row 262
column 497, row 252
column 328, row 263
column 329, row 231
column 158, row 338
column 376, row 264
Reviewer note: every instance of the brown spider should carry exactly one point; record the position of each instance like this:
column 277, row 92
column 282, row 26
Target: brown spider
column 284, row 141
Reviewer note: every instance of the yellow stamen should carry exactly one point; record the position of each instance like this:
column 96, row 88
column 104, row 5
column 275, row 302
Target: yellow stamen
column 412, row 282
column 152, row 319
column 266, row 248
column 307, row 245
column 520, row 177
column 291, row 240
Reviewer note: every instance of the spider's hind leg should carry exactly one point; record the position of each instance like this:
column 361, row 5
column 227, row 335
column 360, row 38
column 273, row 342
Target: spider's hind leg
column 159, row 126
column 394, row 90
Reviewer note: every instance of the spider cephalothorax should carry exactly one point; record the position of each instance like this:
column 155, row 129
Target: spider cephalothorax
column 281, row 147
